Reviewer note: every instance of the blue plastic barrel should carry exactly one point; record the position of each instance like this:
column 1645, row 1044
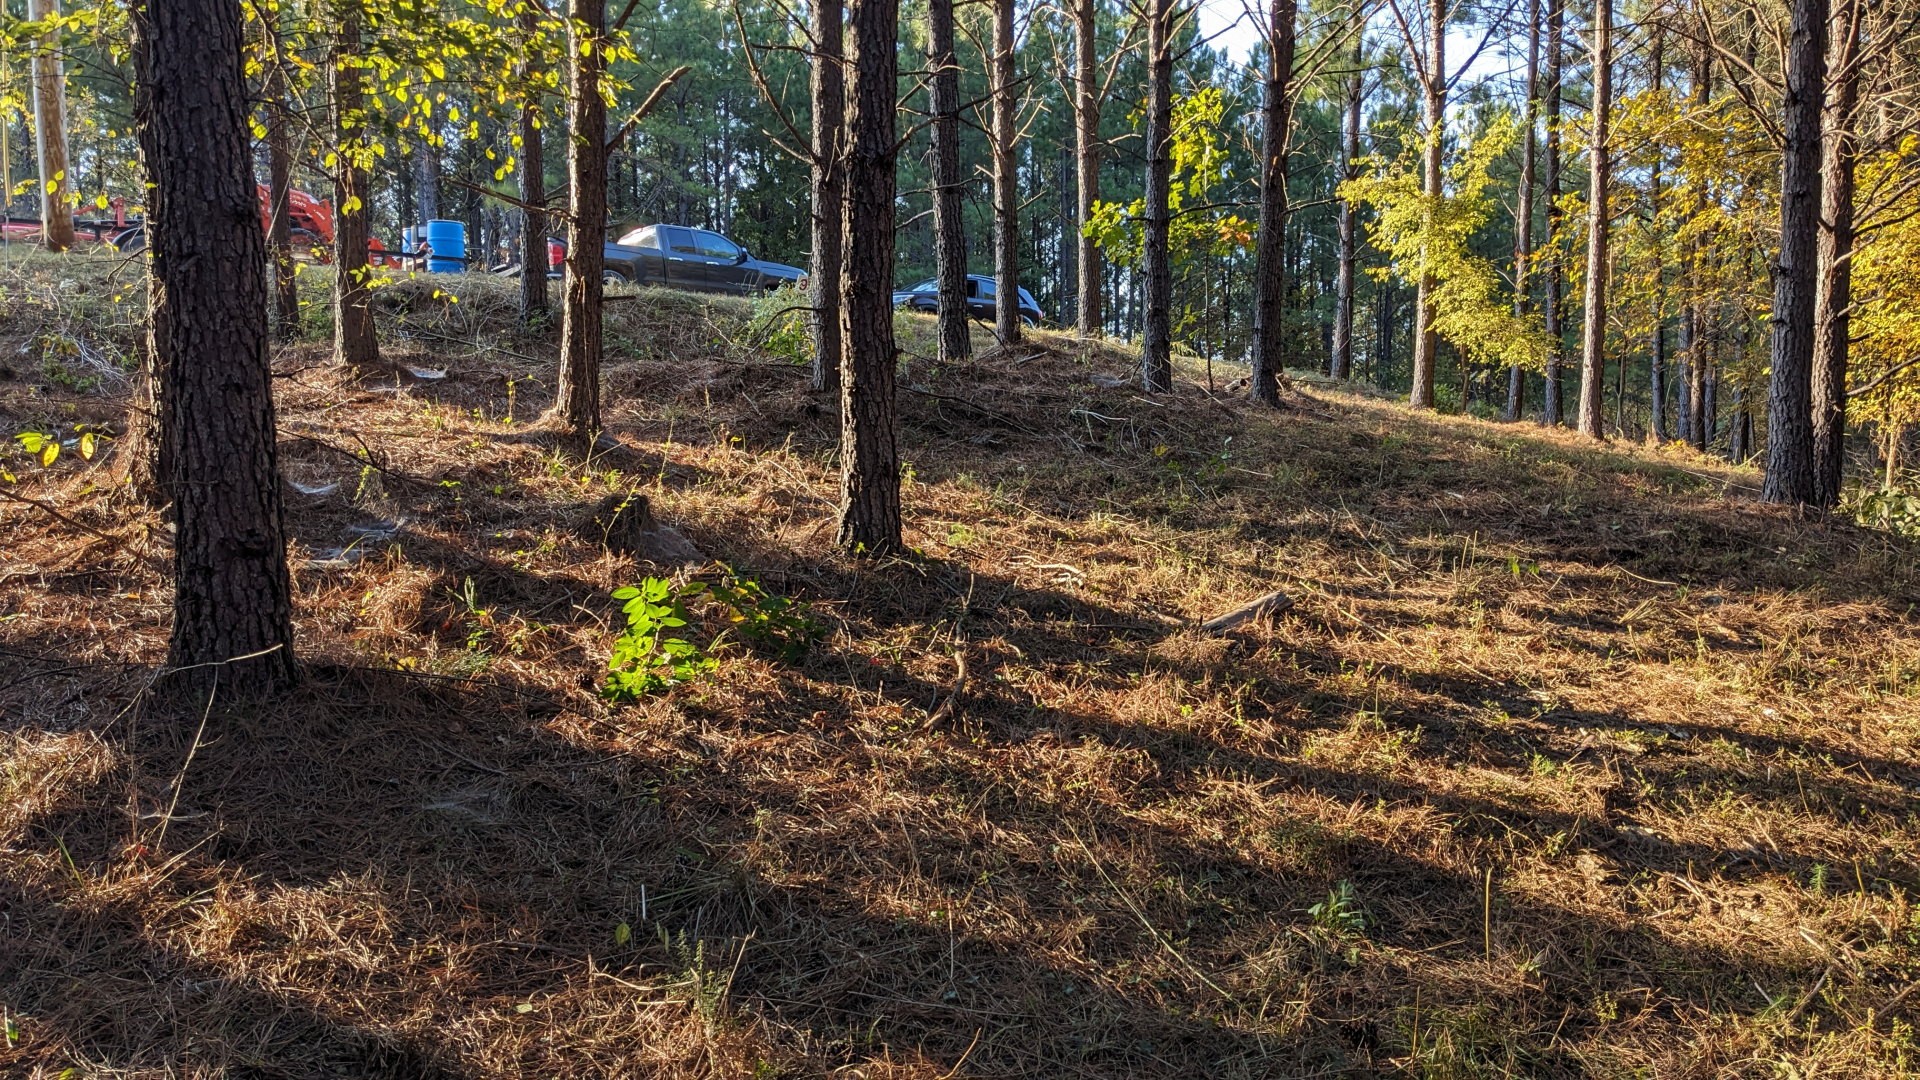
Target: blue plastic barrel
column 448, row 239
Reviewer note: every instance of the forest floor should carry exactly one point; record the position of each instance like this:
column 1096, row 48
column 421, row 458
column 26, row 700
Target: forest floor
column 1567, row 760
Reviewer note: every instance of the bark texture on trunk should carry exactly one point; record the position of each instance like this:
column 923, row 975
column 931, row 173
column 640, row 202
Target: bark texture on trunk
column 575, row 415
column 869, row 454
column 1006, row 180
column 231, row 595
column 1593, row 325
column 1552, row 408
column 1523, row 210
column 828, row 91
column 534, row 309
column 354, row 342
column 949, row 210
column 1156, row 338
column 1340, row 356
column 1790, row 477
column 1086, row 149
column 1269, row 261
column 1693, row 355
column 50, row 135
column 1832, row 322
column 1433, row 81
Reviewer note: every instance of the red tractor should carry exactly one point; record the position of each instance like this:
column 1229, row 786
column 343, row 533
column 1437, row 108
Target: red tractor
column 312, row 221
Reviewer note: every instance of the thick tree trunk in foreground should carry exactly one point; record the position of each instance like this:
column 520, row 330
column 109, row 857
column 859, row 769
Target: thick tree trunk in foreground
column 1523, row 211
column 949, row 220
column 354, row 343
column 1552, row 408
column 1086, row 143
column 1832, row 323
column 231, row 593
column 575, row 415
column 50, row 135
column 1593, row 326
column 1006, row 181
column 1796, row 276
column 869, row 455
column 534, row 310
column 1156, row 338
column 1340, row 361
column 1426, row 341
column 828, row 90
column 1269, row 259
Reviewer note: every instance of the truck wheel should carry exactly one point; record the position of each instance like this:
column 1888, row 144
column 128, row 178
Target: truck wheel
column 610, row 276
column 131, row 242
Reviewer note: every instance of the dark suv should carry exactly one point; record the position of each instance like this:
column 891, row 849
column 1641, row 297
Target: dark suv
column 698, row 259
column 926, row 297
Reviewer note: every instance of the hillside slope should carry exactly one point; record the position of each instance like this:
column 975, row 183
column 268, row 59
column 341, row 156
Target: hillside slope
column 1566, row 760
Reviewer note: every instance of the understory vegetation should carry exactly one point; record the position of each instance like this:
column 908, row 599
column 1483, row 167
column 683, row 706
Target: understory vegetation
column 1567, row 759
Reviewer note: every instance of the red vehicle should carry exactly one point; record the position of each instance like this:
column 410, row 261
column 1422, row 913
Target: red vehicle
column 312, row 221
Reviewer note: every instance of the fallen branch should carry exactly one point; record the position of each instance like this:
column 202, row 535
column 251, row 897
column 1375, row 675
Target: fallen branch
column 1271, row 604
column 950, row 708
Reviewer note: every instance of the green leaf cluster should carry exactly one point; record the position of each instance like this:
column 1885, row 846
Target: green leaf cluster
column 648, row 656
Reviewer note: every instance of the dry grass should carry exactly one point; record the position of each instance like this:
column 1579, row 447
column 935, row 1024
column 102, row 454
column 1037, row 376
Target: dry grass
column 1678, row 733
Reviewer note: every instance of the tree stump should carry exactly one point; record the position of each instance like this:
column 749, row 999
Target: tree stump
column 626, row 526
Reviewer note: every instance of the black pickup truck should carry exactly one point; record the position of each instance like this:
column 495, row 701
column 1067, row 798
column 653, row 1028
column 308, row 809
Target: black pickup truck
column 685, row 258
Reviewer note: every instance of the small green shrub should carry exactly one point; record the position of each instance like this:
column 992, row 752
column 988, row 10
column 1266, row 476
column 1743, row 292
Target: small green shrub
column 1339, row 914
column 778, row 625
column 647, row 657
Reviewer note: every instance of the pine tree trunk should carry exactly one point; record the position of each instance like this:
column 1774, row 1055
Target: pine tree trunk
column 1552, row 395
column 1343, row 282
column 1426, row 341
column 827, row 88
column 1832, row 322
column 232, row 597
column 354, row 342
column 1593, row 326
column 534, row 311
column 949, row 210
column 50, row 134
column 1790, row 476
column 575, row 416
column 146, row 463
column 1087, row 145
column 1523, row 211
column 1693, row 397
column 1156, row 339
column 1006, row 180
column 280, row 134
column 869, row 454
column 1269, row 261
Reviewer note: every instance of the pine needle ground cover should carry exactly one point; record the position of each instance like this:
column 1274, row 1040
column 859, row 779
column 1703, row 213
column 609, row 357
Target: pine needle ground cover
column 1563, row 762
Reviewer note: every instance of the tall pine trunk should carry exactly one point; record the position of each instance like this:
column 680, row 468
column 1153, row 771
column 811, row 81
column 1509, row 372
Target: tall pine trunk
column 280, row 135
column 1006, row 180
column 869, row 454
column 1553, row 303
column 146, row 463
column 354, row 342
column 1269, row 262
column 1693, row 353
column 1832, row 322
column 1341, row 354
column 1593, row 326
column 1523, row 211
column 231, row 596
column 575, row 416
column 1086, row 152
column 1156, row 339
column 50, row 134
column 828, row 89
column 949, row 210
column 533, row 196
column 1433, row 84
column 1790, row 476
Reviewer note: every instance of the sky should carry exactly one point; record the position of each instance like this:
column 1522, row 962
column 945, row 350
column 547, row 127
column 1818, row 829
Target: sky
column 1230, row 26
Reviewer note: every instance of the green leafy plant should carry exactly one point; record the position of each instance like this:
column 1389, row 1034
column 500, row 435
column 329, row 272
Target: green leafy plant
column 775, row 624
column 648, row 656
column 45, row 446
column 1339, row 914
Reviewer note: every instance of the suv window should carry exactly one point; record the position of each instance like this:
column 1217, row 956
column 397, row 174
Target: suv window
column 715, row 246
column 682, row 242
column 986, row 289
